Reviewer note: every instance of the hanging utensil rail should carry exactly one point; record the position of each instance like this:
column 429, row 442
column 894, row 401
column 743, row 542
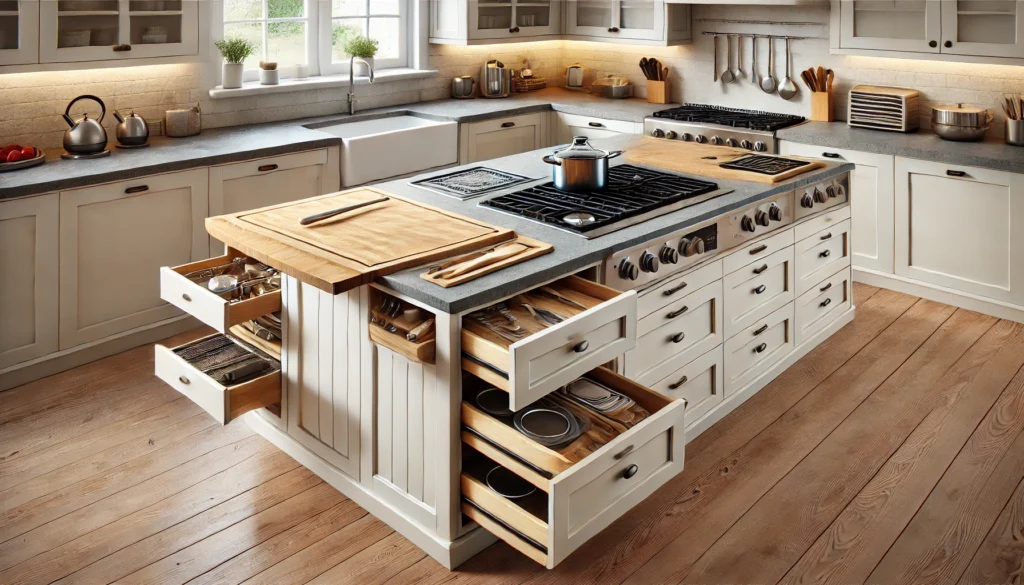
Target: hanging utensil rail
column 760, row 36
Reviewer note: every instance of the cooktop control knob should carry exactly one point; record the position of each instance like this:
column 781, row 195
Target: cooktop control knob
column 671, row 135
column 657, row 133
column 747, row 224
column 775, row 212
column 648, row 262
column 807, row 201
column 716, row 140
column 700, row 139
column 747, row 144
column 760, row 146
column 761, row 218
column 819, row 197
column 731, row 142
column 669, row 255
column 691, row 246
column 628, row 270
column 686, row 137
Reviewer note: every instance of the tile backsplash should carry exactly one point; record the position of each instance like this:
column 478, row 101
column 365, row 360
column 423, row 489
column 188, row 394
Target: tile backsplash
column 34, row 101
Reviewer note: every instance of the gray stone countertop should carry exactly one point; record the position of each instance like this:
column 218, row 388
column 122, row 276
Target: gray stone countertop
column 990, row 154
column 571, row 252
column 240, row 143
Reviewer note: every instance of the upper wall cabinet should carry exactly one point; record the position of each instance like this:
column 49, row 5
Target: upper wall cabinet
column 973, row 30
column 19, row 32
column 487, row 21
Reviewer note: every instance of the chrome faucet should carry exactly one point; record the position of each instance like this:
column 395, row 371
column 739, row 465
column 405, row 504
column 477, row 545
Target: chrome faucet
column 352, row 81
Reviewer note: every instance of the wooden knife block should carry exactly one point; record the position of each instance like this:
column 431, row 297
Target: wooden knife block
column 657, row 92
column 823, row 107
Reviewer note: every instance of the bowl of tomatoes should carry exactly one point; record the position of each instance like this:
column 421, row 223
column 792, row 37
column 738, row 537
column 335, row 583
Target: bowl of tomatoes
column 15, row 156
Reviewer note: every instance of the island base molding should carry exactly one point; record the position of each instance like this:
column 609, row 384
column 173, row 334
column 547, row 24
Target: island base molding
column 939, row 294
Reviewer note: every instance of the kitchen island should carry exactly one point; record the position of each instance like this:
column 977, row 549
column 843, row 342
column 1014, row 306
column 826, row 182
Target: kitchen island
column 385, row 421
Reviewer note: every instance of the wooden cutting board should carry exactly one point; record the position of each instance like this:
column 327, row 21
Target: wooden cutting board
column 353, row 248
column 704, row 160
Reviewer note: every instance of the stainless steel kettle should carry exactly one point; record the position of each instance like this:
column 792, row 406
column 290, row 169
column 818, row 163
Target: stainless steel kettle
column 495, row 79
column 85, row 136
column 131, row 130
column 462, row 87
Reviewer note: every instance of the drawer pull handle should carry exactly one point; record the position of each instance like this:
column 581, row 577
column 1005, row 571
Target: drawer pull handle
column 759, row 249
column 137, row 189
column 831, row 155
column 761, row 348
column 678, row 337
column 581, row 346
column 675, row 289
column 825, row 254
column 761, row 330
column 507, row 124
column 187, row 298
column 624, row 452
column 953, row 173
column 184, row 380
column 826, row 236
column 761, row 269
column 826, row 302
column 630, row 471
column 613, row 29
column 265, row 168
column 677, row 384
column 596, row 125
column 675, row 314
column 825, row 288
column 760, row 289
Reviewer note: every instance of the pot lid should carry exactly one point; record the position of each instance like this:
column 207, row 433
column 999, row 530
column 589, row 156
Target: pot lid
column 581, row 149
column 961, row 115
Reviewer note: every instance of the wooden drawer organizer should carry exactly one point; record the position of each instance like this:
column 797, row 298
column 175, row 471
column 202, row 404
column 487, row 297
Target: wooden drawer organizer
column 422, row 350
column 555, row 355
column 579, row 494
column 224, row 403
column 210, row 308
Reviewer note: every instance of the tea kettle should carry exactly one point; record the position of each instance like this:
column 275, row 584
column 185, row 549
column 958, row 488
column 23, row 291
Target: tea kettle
column 495, row 79
column 131, row 130
column 85, row 136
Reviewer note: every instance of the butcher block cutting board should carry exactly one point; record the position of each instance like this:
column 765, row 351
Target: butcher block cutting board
column 353, row 248
column 704, row 160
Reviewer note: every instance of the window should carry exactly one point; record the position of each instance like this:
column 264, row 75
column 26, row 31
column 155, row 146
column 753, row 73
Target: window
column 313, row 32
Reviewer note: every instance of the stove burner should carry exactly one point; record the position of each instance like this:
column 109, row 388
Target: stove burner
column 633, row 194
column 737, row 118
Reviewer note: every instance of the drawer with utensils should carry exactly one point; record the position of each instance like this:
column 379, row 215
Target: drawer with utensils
column 678, row 332
column 757, row 289
column 224, row 376
column 223, row 291
column 700, row 383
column 537, row 341
column 757, row 348
column 619, row 454
column 821, row 305
column 402, row 327
column 821, row 255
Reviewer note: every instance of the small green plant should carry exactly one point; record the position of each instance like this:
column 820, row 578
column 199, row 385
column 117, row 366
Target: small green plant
column 235, row 50
column 361, row 46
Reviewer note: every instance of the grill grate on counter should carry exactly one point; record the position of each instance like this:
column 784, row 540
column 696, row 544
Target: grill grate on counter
column 764, row 165
column 469, row 183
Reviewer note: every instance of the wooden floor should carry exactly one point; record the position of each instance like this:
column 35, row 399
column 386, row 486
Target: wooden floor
column 893, row 453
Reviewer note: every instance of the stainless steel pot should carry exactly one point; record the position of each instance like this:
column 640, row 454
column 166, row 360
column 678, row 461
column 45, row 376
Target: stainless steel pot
column 462, row 87
column 85, row 136
column 495, row 79
column 131, row 130
column 580, row 167
column 961, row 123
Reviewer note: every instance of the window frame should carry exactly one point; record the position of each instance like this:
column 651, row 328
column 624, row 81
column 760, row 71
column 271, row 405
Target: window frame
column 328, row 67
column 287, row 70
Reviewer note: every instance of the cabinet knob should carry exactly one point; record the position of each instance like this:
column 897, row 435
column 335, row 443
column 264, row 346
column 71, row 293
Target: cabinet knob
column 265, row 168
column 831, row 155
column 760, row 289
column 187, row 298
column 933, row 44
column 507, row 124
column 613, row 29
column 595, row 125
column 825, row 254
column 136, row 189
column 184, row 380
column 678, row 337
column 948, row 44
column 826, row 302
column 581, row 346
column 761, row 348
column 953, row 173
column 630, row 471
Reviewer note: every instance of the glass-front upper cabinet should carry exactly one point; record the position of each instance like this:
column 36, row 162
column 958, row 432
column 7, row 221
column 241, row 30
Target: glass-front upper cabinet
column 19, row 29
column 94, row 30
column 891, row 25
column 989, row 28
column 625, row 19
column 498, row 19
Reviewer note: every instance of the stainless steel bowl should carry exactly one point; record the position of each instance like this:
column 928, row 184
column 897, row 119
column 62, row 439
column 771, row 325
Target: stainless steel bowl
column 961, row 123
column 960, row 133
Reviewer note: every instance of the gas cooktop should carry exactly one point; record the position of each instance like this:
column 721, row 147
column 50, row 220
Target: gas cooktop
column 736, row 118
column 633, row 195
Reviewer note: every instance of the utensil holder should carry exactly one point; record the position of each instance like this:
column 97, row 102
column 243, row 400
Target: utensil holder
column 1015, row 132
column 823, row 107
column 657, row 92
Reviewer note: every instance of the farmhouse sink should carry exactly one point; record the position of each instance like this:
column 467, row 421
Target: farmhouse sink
column 389, row 147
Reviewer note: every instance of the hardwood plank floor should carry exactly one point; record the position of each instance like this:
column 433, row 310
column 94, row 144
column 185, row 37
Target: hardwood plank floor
column 892, row 453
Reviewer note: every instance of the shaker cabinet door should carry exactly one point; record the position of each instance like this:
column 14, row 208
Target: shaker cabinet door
column 19, row 32
column 891, row 25
column 502, row 137
column 984, row 28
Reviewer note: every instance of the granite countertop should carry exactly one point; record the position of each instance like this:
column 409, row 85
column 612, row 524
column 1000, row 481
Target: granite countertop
column 240, row 143
column 572, row 252
column 923, row 145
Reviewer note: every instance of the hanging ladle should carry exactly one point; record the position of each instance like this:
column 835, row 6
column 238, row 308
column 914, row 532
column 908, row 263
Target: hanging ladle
column 788, row 89
column 768, row 83
column 728, row 76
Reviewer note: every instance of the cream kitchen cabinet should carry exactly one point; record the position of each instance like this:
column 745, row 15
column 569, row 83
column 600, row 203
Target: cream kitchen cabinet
column 988, row 28
column 872, row 193
column 566, row 126
column 628, row 20
column 28, row 278
column 489, row 139
column 269, row 181
column 961, row 228
column 19, row 32
column 488, row 21
column 113, row 240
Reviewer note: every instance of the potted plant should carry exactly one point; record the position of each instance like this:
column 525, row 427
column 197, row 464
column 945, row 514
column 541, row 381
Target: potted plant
column 235, row 52
column 364, row 48
column 268, row 73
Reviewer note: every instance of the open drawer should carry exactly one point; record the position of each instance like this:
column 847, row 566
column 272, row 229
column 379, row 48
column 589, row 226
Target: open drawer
column 216, row 311
column 546, row 357
column 577, row 494
column 183, row 368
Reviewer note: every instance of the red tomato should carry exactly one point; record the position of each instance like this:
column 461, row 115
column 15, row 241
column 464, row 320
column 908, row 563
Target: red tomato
column 14, row 156
column 7, row 150
column 28, row 152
